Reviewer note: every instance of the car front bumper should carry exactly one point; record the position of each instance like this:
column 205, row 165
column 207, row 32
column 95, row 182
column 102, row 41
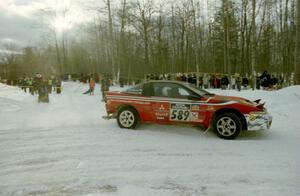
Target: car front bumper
column 258, row 121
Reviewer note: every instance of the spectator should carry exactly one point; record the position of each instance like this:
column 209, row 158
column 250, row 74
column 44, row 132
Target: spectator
column 43, row 91
column 274, row 82
column 206, row 80
column 238, row 82
column 104, row 87
column 121, row 81
column 280, row 81
column 92, row 86
column 214, row 81
column 245, row 82
column 200, row 81
column 50, row 83
column 224, row 82
column 30, row 84
column 258, row 81
column 233, row 82
column 190, row 79
column 265, row 80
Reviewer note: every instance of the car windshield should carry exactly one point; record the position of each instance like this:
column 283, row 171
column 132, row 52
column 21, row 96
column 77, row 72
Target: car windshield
column 200, row 91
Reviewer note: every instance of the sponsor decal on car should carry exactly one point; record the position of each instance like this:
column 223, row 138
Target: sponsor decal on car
column 165, row 114
column 194, row 116
column 195, row 107
column 161, row 112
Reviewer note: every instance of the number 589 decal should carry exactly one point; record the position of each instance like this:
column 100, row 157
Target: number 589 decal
column 180, row 112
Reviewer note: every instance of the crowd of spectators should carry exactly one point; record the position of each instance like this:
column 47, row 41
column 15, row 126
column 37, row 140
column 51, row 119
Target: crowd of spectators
column 205, row 80
column 39, row 84
column 225, row 81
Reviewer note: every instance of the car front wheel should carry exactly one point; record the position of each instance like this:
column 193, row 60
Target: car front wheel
column 127, row 118
column 227, row 125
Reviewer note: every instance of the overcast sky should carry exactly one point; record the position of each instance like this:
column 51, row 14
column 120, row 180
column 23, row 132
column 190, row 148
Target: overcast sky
column 18, row 18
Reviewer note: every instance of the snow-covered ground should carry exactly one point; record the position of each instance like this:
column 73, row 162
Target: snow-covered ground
column 66, row 148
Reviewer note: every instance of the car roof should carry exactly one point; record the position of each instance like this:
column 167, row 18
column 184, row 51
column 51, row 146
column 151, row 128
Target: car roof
column 167, row 81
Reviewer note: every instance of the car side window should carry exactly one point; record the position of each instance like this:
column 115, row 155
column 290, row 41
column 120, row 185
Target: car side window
column 171, row 90
column 159, row 90
column 148, row 89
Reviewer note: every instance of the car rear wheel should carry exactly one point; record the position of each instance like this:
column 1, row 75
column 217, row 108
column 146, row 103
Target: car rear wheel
column 127, row 118
column 227, row 125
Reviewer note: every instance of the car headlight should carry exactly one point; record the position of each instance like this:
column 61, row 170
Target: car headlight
column 254, row 115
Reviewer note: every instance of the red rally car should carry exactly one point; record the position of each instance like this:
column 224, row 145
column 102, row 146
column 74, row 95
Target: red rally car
column 173, row 102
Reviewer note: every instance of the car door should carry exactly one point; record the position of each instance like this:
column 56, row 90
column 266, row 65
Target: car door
column 159, row 102
column 139, row 98
column 171, row 103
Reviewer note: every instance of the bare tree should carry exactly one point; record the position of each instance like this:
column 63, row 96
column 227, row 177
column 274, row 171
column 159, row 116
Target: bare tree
column 143, row 19
column 253, row 44
column 297, row 45
column 136, row 38
column 111, row 39
column 123, row 16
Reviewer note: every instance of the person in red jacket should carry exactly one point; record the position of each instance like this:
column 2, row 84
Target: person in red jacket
column 92, row 86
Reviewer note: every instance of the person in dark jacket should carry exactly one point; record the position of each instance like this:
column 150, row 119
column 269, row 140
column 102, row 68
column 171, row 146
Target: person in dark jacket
column 36, row 82
column 258, row 82
column 274, row 82
column 265, row 79
column 43, row 91
column 214, row 81
column 104, row 87
column 245, row 82
column 58, row 86
column 238, row 82
column 121, row 81
column 224, row 82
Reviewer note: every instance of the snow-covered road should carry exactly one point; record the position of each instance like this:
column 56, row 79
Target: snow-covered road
column 66, row 148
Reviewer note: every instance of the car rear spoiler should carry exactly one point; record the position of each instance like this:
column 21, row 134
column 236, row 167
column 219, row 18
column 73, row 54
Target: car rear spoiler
column 257, row 101
column 258, row 104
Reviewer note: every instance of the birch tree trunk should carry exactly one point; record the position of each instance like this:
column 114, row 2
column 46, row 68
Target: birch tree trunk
column 253, row 42
column 297, row 44
column 111, row 41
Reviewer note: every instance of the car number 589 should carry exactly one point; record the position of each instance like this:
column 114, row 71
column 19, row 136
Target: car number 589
column 180, row 115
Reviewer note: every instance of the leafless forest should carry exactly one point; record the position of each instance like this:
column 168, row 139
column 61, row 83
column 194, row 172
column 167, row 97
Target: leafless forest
column 132, row 38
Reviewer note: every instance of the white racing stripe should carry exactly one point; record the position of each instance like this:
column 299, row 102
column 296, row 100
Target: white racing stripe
column 166, row 100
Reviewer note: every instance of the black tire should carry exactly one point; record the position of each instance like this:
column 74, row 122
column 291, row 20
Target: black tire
column 227, row 125
column 127, row 118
